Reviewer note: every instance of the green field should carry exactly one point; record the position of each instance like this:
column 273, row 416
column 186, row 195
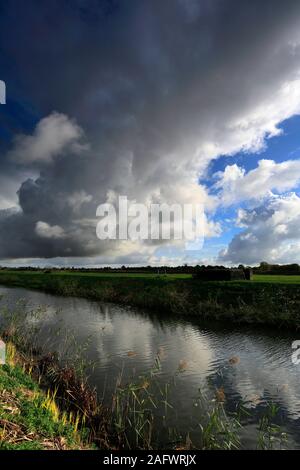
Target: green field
column 266, row 300
column 109, row 275
column 276, row 279
column 281, row 279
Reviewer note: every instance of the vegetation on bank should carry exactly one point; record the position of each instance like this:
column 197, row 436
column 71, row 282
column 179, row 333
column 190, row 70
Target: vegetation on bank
column 261, row 301
column 30, row 419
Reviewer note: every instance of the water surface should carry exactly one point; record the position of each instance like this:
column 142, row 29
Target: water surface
column 126, row 341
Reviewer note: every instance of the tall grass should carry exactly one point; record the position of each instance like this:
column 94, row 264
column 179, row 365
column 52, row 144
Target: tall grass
column 270, row 435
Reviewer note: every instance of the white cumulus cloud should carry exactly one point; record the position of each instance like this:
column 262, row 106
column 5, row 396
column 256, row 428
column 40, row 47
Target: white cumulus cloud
column 236, row 185
column 45, row 230
column 271, row 232
column 53, row 135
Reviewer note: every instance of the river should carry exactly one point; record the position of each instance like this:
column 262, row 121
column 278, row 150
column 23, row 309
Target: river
column 251, row 366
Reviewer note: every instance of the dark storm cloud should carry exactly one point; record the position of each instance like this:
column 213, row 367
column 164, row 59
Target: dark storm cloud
column 157, row 90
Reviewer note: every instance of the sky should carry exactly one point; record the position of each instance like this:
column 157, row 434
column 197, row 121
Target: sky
column 180, row 101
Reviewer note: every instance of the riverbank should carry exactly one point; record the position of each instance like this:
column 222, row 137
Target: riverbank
column 30, row 419
column 248, row 302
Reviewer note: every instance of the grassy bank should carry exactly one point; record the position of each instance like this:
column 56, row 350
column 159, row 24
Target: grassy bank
column 261, row 301
column 30, row 419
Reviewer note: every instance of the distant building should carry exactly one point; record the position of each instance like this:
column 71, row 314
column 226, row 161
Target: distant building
column 222, row 274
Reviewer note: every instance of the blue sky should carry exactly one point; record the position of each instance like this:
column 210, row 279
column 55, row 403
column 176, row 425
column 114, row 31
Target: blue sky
column 284, row 147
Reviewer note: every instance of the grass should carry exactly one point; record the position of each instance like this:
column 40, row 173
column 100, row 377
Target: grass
column 108, row 275
column 276, row 279
column 31, row 419
column 263, row 301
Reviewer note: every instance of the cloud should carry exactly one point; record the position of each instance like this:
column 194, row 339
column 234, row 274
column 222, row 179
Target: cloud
column 147, row 95
column 45, row 230
column 78, row 198
column 53, row 135
column 271, row 232
column 236, row 185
